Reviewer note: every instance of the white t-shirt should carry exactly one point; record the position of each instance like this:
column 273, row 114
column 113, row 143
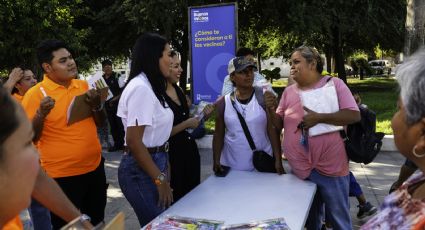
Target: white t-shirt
column 236, row 151
column 138, row 103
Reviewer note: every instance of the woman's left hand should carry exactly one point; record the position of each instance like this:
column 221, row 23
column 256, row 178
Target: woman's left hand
column 279, row 167
column 311, row 118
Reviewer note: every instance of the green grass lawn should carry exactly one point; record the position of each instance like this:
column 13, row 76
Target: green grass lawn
column 378, row 93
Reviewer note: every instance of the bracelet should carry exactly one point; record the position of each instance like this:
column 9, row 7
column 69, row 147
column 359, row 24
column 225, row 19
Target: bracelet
column 160, row 179
column 99, row 108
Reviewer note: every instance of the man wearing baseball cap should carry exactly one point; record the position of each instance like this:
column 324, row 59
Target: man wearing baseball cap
column 230, row 149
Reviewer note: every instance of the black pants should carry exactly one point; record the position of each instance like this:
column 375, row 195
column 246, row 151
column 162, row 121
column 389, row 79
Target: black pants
column 117, row 129
column 185, row 164
column 87, row 192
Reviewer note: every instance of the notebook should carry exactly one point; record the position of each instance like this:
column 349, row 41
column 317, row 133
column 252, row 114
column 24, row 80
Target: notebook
column 321, row 100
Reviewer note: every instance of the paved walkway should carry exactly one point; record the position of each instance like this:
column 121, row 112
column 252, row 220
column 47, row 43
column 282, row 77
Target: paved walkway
column 375, row 180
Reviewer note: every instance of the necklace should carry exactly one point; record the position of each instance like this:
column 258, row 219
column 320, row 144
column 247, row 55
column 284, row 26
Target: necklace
column 243, row 103
column 242, row 108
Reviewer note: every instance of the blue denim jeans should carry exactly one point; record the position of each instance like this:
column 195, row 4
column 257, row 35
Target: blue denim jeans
column 139, row 188
column 333, row 193
column 355, row 189
column 40, row 216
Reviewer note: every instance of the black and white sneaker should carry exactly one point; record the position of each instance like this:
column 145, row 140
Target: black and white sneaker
column 366, row 210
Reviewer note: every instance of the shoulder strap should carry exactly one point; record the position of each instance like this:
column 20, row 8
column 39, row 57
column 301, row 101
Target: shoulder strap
column 342, row 132
column 243, row 124
column 260, row 97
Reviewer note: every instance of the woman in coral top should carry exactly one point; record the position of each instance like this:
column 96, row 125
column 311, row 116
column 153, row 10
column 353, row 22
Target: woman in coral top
column 320, row 158
column 18, row 161
column 20, row 174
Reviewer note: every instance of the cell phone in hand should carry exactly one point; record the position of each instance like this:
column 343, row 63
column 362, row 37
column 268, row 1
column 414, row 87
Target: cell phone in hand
column 225, row 170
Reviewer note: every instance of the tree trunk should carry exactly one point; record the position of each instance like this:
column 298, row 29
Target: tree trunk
column 328, row 54
column 337, row 51
column 259, row 61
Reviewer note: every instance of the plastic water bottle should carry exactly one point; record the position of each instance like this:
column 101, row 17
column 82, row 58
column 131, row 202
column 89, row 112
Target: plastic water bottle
column 265, row 85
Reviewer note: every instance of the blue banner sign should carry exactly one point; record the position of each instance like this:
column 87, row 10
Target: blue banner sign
column 213, row 41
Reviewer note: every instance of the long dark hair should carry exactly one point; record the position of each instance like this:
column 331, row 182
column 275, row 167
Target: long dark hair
column 9, row 121
column 145, row 58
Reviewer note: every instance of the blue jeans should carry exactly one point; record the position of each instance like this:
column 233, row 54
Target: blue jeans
column 355, row 189
column 40, row 216
column 333, row 193
column 139, row 188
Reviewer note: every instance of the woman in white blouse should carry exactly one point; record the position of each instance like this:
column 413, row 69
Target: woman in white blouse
column 147, row 120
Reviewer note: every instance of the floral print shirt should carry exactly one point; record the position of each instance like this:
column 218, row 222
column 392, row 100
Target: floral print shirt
column 399, row 210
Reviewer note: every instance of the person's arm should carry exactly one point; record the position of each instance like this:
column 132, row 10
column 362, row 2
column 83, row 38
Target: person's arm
column 274, row 137
column 99, row 116
column 271, row 105
column 93, row 99
column 218, row 137
column 116, row 98
column 192, row 122
column 138, row 150
column 16, row 75
column 208, row 110
column 340, row 118
column 50, row 195
column 46, row 105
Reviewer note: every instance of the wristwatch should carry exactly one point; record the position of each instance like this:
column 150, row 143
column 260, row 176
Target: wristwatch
column 160, row 179
column 84, row 217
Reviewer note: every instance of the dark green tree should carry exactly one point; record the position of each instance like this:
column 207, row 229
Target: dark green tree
column 25, row 23
column 271, row 75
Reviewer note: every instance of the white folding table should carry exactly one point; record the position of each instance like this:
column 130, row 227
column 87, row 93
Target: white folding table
column 242, row 196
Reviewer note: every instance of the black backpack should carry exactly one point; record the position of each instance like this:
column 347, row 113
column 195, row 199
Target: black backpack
column 362, row 142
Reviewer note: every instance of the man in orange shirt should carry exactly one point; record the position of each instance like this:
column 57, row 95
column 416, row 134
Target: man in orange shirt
column 71, row 154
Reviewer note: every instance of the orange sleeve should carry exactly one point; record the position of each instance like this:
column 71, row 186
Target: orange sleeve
column 85, row 85
column 13, row 224
column 31, row 101
column 420, row 225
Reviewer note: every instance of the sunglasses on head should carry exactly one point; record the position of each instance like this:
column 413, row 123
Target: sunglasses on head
column 246, row 70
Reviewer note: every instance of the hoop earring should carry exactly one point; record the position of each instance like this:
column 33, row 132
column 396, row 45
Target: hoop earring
column 416, row 154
